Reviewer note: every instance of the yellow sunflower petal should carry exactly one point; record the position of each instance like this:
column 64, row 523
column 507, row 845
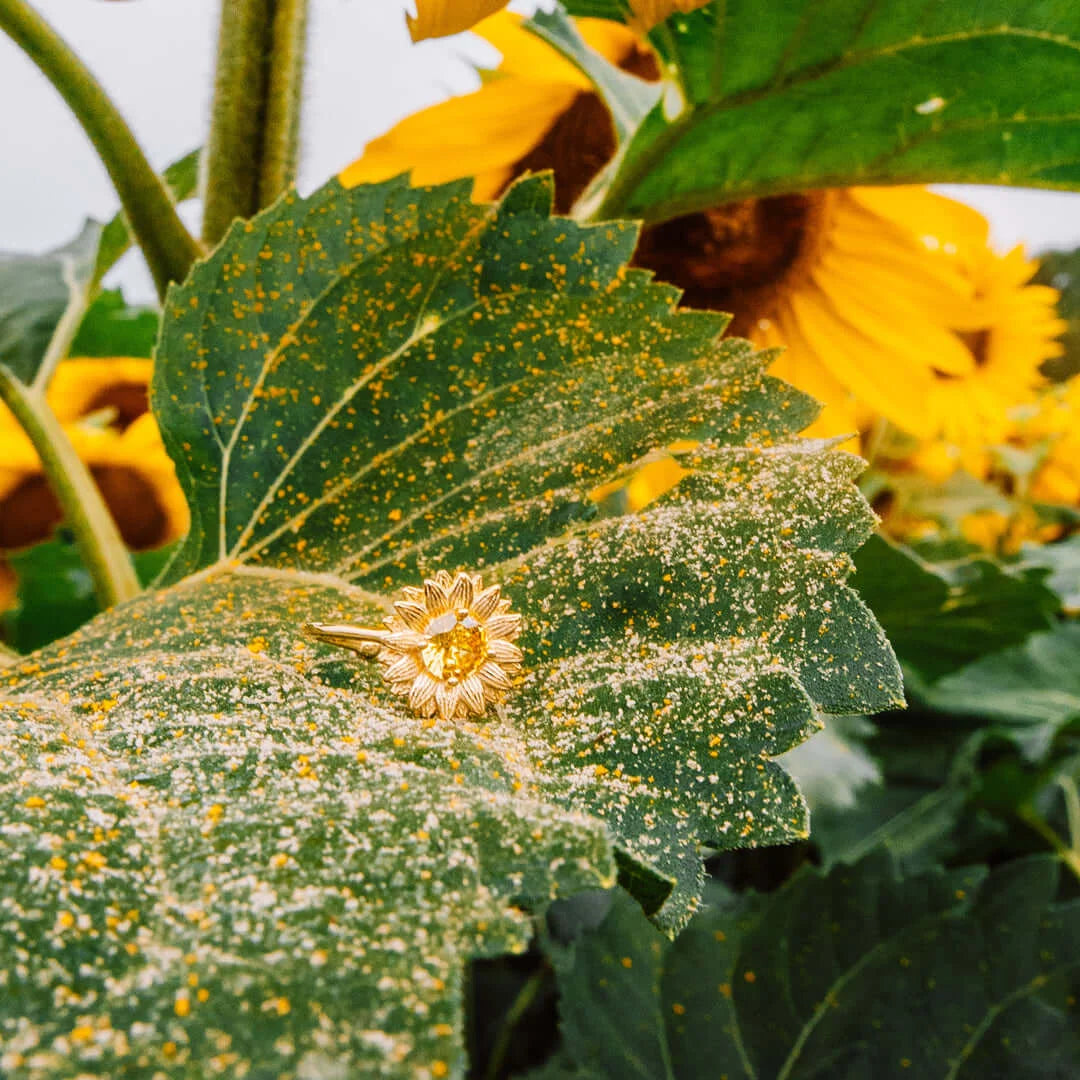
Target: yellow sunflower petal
column 482, row 132
column 798, row 365
column 83, row 386
column 891, row 383
column 441, row 18
column 526, row 56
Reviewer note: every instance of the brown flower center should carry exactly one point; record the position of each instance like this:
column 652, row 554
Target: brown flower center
column 127, row 401
column 731, row 257
column 582, row 141
column 30, row 512
column 458, row 646
column 576, row 147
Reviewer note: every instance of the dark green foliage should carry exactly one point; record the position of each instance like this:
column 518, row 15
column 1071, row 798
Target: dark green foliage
column 940, row 617
column 858, row 973
column 790, row 95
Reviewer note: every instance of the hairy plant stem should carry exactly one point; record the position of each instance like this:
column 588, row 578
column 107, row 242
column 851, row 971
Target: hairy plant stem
column 100, row 544
column 518, row 1008
column 1069, row 856
column 255, row 118
column 167, row 245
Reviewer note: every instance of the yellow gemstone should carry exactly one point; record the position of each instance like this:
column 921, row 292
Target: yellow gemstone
column 458, row 646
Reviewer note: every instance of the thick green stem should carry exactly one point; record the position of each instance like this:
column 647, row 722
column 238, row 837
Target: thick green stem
column 252, row 149
column 102, row 548
column 167, row 245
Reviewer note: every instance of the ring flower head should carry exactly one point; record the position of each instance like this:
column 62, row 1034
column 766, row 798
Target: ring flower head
column 449, row 646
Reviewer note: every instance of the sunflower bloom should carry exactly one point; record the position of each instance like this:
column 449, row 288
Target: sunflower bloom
column 441, row 18
column 888, row 302
column 102, row 405
column 499, row 131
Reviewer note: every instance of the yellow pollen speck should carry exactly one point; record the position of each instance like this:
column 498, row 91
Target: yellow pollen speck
column 182, row 1006
column 443, row 1030
column 440, row 1068
column 627, row 962
column 203, row 994
column 58, row 863
column 35, row 802
column 169, row 1049
column 749, row 976
column 82, row 1033
column 395, row 514
column 65, row 919
column 215, row 812
column 678, row 1009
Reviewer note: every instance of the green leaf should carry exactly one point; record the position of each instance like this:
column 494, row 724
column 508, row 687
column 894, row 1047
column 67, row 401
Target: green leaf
column 855, row 974
column 627, row 97
column 56, row 592
column 1061, row 270
column 919, row 808
column 1062, row 559
column 940, row 617
column 1033, row 690
column 35, row 293
column 360, row 388
column 111, row 327
column 832, row 766
column 789, row 95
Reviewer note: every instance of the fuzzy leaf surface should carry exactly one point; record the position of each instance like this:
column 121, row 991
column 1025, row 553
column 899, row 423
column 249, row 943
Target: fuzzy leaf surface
column 854, row 974
column 360, row 388
column 790, row 95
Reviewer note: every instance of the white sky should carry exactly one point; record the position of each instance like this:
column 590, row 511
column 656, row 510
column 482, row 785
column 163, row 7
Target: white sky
column 155, row 57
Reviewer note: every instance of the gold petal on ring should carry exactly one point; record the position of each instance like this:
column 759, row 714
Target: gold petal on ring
column 493, row 675
column 412, row 594
column 461, row 592
column 506, row 627
column 485, row 603
column 402, row 670
column 414, row 616
column 422, row 692
column 472, row 692
column 502, row 652
column 446, row 698
column 405, row 641
column 443, row 578
column 435, row 598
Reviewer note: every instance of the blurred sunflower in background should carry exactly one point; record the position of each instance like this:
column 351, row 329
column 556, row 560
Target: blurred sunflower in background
column 102, row 404
column 891, row 306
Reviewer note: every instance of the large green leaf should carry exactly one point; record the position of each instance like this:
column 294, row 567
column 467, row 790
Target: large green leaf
column 941, row 617
column 359, row 388
column 35, row 293
column 859, row 973
column 1033, row 689
column 55, row 592
column 787, row 95
column 111, row 327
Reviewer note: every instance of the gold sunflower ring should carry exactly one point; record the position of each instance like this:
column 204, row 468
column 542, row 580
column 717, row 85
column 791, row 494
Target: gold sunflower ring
column 448, row 647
